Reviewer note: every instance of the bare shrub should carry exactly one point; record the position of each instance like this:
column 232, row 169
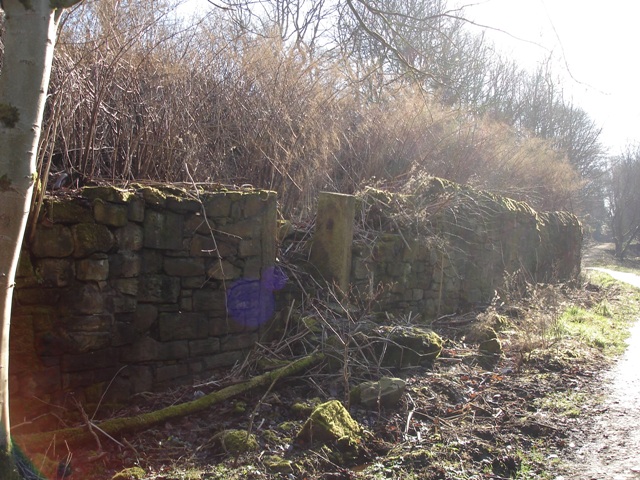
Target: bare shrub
column 137, row 93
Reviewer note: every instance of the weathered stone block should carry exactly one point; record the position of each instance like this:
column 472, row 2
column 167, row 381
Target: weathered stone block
column 159, row 289
column 207, row 300
column 85, row 378
column 90, row 341
column 193, row 282
column 110, row 214
column 171, row 372
column 223, row 270
column 186, row 304
column 154, row 197
column 163, row 230
column 208, row 346
column 94, row 268
column 126, row 286
column 207, row 246
column 136, row 208
column 89, row 361
column 238, row 341
column 26, row 271
column 225, row 359
column 248, row 248
column 140, row 378
column 120, row 303
column 152, row 261
column 331, row 422
column 255, row 204
column 174, row 350
column 182, row 326
column 87, row 299
column 144, row 317
column 253, row 267
column 52, row 241
column 217, row 205
column 90, row 238
column 130, row 237
column 146, row 349
column 90, row 323
column 386, row 393
column 333, row 237
column 184, row 267
column 123, row 334
column 183, row 204
column 219, row 326
column 54, row 272
column 244, row 229
column 108, row 194
column 195, row 223
column 125, row 265
column 76, row 210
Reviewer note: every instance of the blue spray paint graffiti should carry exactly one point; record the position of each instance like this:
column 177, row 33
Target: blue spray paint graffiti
column 251, row 302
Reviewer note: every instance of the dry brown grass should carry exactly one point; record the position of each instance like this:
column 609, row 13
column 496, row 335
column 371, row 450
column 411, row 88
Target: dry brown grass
column 138, row 95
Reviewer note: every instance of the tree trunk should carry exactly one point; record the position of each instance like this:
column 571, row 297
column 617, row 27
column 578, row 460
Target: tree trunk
column 29, row 38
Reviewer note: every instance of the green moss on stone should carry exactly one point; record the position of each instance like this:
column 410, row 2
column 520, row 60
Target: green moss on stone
column 492, row 346
column 153, row 196
column 68, row 211
column 408, row 346
column 239, row 407
column 235, row 441
column 108, row 194
column 277, row 464
column 271, row 437
column 330, row 421
column 133, row 473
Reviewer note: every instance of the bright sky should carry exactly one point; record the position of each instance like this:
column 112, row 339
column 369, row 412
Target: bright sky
column 599, row 42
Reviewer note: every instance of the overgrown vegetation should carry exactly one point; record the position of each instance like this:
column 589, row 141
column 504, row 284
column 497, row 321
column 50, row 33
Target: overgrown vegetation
column 301, row 96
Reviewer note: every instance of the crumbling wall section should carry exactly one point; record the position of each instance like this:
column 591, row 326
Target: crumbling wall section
column 446, row 248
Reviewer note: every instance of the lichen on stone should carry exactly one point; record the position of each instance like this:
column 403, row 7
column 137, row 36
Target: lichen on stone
column 235, row 441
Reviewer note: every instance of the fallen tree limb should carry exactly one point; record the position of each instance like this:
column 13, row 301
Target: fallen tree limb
column 119, row 426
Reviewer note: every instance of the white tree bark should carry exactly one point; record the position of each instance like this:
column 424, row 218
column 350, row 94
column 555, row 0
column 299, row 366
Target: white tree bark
column 29, row 38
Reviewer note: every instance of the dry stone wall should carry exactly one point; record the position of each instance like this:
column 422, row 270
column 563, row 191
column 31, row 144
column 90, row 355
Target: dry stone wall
column 448, row 248
column 126, row 291
column 145, row 288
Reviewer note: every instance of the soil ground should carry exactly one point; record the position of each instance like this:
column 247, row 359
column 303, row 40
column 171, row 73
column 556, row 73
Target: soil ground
column 547, row 408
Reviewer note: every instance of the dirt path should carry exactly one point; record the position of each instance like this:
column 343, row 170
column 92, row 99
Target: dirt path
column 608, row 447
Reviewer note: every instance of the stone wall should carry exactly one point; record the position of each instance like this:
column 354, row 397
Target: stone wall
column 145, row 288
column 156, row 286
column 447, row 248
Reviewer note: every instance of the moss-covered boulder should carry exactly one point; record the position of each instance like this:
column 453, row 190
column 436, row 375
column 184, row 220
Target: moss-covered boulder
column 235, row 441
column 386, row 393
column 405, row 346
column 486, row 338
column 277, row 464
column 330, row 422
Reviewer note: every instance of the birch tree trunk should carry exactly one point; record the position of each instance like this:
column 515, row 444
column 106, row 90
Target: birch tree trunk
column 29, row 38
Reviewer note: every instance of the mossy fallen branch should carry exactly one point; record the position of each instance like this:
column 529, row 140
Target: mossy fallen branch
column 119, row 426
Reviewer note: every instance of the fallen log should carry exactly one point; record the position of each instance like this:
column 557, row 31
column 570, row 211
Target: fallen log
column 118, row 426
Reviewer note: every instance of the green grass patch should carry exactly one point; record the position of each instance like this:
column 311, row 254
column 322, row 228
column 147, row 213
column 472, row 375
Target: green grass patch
column 604, row 325
column 598, row 327
column 568, row 403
